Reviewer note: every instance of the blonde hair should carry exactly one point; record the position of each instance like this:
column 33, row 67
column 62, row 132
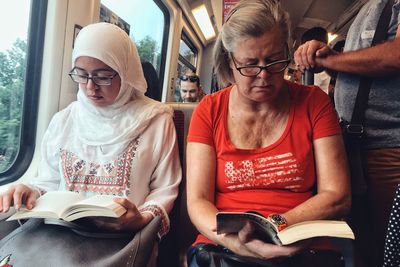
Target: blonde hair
column 248, row 18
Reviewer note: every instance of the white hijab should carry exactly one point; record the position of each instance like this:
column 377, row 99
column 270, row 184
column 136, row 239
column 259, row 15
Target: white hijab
column 131, row 112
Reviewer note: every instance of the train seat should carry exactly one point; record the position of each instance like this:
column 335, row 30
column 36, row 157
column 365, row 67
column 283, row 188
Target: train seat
column 172, row 249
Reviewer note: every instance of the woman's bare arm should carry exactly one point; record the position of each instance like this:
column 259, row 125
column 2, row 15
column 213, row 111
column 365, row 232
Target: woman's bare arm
column 333, row 198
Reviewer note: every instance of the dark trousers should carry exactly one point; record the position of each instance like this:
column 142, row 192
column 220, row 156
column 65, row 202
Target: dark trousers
column 370, row 212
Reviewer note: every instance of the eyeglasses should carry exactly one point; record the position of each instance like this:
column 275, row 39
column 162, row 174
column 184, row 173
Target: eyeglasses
column 98, row 80
column 253, row 70
column 192, row 78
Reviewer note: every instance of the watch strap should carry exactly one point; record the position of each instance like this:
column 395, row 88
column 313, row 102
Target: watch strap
column 278, row 220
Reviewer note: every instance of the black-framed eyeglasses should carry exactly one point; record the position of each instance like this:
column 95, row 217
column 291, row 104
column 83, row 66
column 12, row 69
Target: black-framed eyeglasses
column 191, row 78
column 253, row 70
column 98, row 80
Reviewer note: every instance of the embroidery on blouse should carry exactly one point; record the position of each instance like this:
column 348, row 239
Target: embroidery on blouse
column 263, row 172
column 109, row 178
column 156, row 211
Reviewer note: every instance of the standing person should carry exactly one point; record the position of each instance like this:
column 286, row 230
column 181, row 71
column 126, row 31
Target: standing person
column 382, row 116
column 190, row 88
column 112, row 140
column 264, row 144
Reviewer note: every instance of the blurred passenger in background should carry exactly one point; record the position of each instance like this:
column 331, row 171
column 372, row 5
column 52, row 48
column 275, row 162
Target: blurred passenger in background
column 190, row 88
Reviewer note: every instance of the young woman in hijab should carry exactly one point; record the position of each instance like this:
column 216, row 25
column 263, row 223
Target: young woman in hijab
column 113, row 140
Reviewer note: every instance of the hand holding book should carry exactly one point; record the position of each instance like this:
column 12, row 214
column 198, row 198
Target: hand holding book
column 233, row 222
column 18, row 195
column 70, row 206
column 132, row 220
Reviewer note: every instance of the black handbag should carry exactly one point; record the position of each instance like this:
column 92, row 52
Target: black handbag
column 36, row 243
column 353, row 131
column 209, row 255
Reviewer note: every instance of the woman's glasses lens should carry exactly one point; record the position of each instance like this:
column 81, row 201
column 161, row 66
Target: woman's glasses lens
column 274, row 67
column 99, row 80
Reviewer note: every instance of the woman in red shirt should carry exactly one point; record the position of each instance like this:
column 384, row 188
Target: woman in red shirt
column 263, row 144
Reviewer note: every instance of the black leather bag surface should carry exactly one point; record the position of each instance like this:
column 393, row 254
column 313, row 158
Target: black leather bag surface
column 208, row 255
column 38, row 244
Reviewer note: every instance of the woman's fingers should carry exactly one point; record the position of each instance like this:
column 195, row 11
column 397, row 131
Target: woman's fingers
column 7, row 199
column 269, row 251
column 17, row 196
column 132, row 219
column 127, row 204
column 246, row 233
column 250, row 243
column 21, row 194
column 31, row 199
column 4, row 203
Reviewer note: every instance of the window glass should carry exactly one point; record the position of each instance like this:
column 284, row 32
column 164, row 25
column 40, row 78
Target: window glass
column 14, row 23
column 144, row 21
column 186, row 63
column 188, row 53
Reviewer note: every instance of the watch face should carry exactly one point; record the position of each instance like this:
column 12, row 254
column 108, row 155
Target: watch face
column 278, row 219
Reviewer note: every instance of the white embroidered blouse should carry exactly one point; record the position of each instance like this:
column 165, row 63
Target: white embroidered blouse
column 147, row 171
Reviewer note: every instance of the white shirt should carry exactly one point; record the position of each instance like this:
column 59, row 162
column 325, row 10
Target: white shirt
column 147, row 172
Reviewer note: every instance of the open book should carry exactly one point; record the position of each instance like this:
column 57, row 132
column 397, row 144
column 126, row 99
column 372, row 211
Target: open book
column 232, row 222
column 70, row 206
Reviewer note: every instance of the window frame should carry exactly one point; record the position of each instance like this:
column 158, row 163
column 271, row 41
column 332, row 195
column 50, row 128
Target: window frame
column 34, row 60
column 164, row 46
column 185, row 38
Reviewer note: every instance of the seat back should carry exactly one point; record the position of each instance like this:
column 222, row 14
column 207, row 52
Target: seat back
column 172, row 250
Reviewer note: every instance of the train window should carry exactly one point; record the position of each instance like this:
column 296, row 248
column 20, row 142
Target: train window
column 187, row 61
column 146, row 22
column 187, row 53
column 22, row 33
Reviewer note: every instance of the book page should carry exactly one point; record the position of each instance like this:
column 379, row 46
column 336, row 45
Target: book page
column 317, row 228
column 105, row 201
column 50, row 205
column 98, row 205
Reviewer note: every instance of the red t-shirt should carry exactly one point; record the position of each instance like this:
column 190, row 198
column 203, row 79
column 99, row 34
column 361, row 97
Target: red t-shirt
column 272, row 179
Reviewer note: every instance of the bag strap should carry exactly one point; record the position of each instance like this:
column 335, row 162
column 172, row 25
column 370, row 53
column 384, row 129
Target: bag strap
column 361, row 103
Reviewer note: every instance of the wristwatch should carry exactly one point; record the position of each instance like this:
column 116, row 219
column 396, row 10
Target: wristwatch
column 278, row 220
